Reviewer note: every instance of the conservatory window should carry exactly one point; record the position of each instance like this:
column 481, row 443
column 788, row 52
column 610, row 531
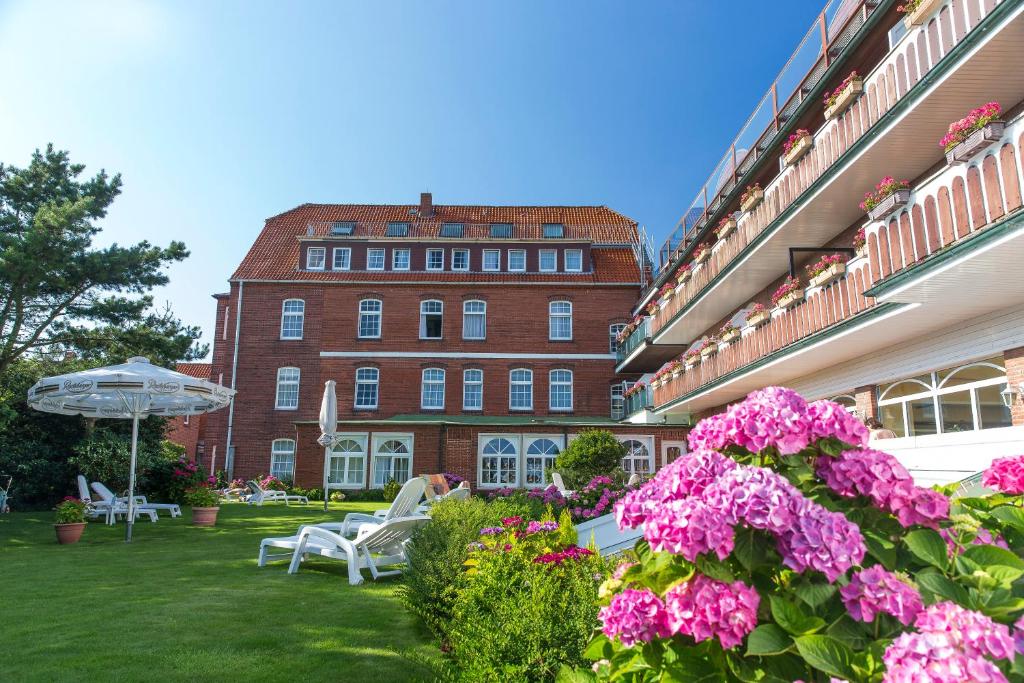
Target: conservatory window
column 348, row 461
column 540, row 457
column 638, row 459
column 392, row 459
column 499, row 462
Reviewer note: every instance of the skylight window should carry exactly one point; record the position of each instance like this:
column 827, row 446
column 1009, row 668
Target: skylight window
column 343, row 227
column 452, row 230
column 553, row 230
column 501, row 229
column 397, row 230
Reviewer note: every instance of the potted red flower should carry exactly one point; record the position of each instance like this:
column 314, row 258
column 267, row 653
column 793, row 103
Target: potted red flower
column 665, row 293
column 692, row 358
column 683, row 274
column 702, row 254
column 860, row 240
column 726, row 227
column 205, row 504
column 826, row 270
column 889, row 195
column 70, row 520
column 797, row 145
column 974, row 132
column 789, row 293
column 729, row 333
column 708, row 348
column 751, row 197
column 757, row 315
column 916, row 11
column 840, row 99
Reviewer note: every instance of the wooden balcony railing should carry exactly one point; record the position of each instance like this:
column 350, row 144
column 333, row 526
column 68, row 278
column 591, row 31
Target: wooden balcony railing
column 910, row 60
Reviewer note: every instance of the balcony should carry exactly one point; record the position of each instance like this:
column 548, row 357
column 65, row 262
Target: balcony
column 953, row 253
column 638, row 402
column 955, row 61
column 637, row 354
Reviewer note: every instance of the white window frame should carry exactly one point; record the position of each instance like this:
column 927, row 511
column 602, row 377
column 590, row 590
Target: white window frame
column 464, row 252
column 512, row 383
column 519, row 253
column 560, row 383
column 275, row 451
column 360, row 438
column 547, row 461
column 441, row 261
column 322, row 252
column 553, row 254
column 493, row 252
column 565, row 260
column 647, row 441
column 338, row 251
column 283, row 383
column 300, row 314
column 376, row 393
column 465, row 313
column 466, row 382
column 512, row 474
column 423, row 320
column 378, row 440
column 380, row 319
column 375, row 251
column 394, row 258
column 613, row 336
column 617, row 399
column 552, row 316
column 432, row 381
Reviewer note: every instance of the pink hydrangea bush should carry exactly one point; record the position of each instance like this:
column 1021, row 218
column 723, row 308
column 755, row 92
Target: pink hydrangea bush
column 781, row 547
column 1006, row 475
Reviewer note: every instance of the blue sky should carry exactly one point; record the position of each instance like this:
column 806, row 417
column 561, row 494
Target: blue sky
column 220, row 114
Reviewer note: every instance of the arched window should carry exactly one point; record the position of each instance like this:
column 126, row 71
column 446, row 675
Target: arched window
column 474, row 320
column 282, row 459
column 958, row 399
column 520, row 389
column 392, row 458
column 560, row 390
column 499, row 462
column 431, row 315
column 540, row 457
column 432, row 389
column 638, row 458
column 367, row 382
column 370, row 318
column 348, row 462
column 847, row 401
column 293, row 313
column 560, row 320
column 287, row 389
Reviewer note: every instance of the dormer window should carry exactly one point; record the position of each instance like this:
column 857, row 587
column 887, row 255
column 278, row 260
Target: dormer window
column 343, row 227
column 452, row 230
column 503, row 230
column 315, row 258
column 397, row 230
column 553, row 230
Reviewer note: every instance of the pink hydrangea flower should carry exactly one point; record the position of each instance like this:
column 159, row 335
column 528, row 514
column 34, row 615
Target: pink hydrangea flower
column 829, row 420
column 690, row 527
column 1006, row 475
column 634, row 616
column 822, row 540
column 874, row 590
column 1018, row 635
column 773, row 417
column 703, row 608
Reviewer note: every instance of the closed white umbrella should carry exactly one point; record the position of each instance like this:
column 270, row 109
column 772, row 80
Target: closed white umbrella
column 132, row 390
column 328, row 429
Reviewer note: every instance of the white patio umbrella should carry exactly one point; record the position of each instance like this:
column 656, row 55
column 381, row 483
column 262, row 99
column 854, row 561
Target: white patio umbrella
column 132, row 390
column 328, row 429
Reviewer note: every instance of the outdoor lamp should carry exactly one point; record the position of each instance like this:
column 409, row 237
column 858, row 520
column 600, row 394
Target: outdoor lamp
column 1009, row 394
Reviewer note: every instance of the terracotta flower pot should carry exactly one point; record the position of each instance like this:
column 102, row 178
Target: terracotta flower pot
column 204, row 516
column 69, row 533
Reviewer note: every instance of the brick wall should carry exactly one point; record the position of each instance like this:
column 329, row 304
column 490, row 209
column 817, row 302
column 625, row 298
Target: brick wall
column 189, row 435
column 1015, row 374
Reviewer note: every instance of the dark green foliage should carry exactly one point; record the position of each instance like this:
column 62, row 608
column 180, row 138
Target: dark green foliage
column 391, row 489
column 595, row 452
column 367, row 495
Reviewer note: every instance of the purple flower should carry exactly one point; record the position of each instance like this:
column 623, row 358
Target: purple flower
column 874, row 590
column 492, row 531
column 773, row 417
column 634, row 616
column 534, row 527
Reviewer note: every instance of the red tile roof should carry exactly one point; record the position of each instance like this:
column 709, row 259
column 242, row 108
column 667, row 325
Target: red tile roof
column 275, row 253
column 197, row 370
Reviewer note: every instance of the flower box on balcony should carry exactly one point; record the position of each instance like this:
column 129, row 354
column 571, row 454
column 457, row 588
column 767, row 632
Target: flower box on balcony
column 801, row 146
column 752, row 199
column 693, row 361
column 790, row 300
column 683, row 277
column 896, row 200
column 726, row 228
column 702, row 255
column 759, row 318
column 709, row 350
column 833, row 273
column 843, row 101
column 676, row 371
column 730, row 336
column 917, row 15
column 977, row 141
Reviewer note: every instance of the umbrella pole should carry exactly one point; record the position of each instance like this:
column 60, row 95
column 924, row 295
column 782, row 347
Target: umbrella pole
column 327, row 465
column 131, row 480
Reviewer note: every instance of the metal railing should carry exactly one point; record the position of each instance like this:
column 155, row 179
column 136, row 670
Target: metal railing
column 633, row 341
column 639, row 401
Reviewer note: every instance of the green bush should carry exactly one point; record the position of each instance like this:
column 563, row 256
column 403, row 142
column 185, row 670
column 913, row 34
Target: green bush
column 311, row 494
column 365, row 496
column 593, row 453
column 437, row 552
column 391, row 489
column 105, row 456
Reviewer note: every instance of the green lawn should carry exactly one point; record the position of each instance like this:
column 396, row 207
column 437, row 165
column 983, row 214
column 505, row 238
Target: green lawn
column 182, row 603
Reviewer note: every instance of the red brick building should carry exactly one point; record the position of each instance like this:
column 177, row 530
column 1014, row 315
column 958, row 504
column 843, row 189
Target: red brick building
column 476, row 340
column 188, row 431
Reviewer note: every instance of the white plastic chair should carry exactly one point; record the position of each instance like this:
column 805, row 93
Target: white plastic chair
column 140, row 501
column 109, row 508
column 375, row 546
column 261, row 495
column 556, row 479
column 404, row 504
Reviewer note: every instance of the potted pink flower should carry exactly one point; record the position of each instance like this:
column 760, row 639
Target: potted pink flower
column 840, row 99
column 889, row 195
column 728, row 333
column 916, row 11
column 675, row 367
column 683, row 274
column 708, row 348
column 205, row 504
column 692, row 358
column 826, row 270
column 70, row 520
column 702, row 254
column 635, row 389
column 974, row 132
column 725, row 227
column 652, row 308
column 751, row 197
column 860, row 241
column 757, row 315
column 789, row 293
column 795, row 146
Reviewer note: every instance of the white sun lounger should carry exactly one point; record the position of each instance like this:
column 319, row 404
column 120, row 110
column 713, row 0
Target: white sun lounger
column 108, row 509
column 260, row 495
column 140, row 501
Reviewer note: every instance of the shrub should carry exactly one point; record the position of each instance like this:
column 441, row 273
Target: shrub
column 391, row 489
column 527, row 607
column 782, row 548
column 366, row 495
column 167, row 480
column 271, row 483
column 593, row 453
column 311, row 494
column 202, row 496
column 337, row 496
column 71, row 510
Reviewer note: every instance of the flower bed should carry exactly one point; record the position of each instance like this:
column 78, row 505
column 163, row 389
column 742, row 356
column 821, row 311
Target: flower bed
column 889, row 194
column 840, row 99
column 789, row 293
column 751, row 197
column 974, row 132
column 797, row 145
column 825, row 270
column 916, row 11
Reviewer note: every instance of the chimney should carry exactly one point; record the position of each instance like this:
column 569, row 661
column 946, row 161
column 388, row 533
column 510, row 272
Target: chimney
column 426, row 205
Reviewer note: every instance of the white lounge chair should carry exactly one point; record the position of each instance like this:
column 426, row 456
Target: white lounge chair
column 260, row 495
column 556, row 479
column 404, row 505
column 375, row 546
column 108, row 509
column 140, row 501
column 460, row 492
